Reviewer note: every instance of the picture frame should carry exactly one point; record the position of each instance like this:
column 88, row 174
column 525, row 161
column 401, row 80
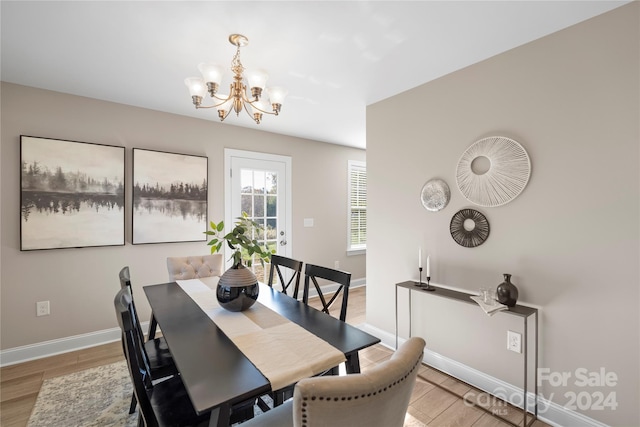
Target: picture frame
column 71, row 194
column 170, row 197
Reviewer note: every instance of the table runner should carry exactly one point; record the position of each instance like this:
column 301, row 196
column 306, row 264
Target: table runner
column 283, row 351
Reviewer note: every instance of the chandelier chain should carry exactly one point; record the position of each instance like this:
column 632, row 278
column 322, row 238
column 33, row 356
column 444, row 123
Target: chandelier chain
column 236, row 65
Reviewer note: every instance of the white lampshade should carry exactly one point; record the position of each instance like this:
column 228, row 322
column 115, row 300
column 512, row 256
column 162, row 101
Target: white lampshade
column 256, row 78
column 211, row 72
column 196, row 86
column 277, row 94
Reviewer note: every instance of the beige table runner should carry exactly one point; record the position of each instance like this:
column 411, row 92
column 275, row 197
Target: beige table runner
column 283, row 351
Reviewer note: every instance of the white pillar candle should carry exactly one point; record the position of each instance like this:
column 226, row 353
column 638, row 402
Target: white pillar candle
column 428, row 269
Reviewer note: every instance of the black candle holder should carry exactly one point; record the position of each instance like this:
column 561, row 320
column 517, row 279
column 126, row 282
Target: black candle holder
column 429, row 287
column 420, row 284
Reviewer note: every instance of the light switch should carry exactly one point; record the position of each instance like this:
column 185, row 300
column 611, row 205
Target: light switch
column 308, row 222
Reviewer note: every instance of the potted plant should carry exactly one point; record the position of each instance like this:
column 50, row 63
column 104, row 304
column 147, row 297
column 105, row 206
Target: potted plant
column 239, row 238
column 238, row 287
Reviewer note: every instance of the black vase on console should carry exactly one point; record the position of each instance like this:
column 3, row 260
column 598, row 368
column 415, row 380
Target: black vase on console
column 507, row 292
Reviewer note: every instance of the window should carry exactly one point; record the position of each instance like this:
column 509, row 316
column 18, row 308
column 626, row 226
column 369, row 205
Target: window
column 357, row 223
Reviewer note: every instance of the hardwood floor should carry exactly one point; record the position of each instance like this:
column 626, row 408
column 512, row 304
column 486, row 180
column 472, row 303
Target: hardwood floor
column 437, row 400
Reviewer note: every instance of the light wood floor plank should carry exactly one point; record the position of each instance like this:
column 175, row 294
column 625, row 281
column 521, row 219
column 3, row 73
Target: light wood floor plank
column 16, row 412
column 458, row 414
column 35, row 366
column 434, row 402
column 20, row 387
column 81, row 366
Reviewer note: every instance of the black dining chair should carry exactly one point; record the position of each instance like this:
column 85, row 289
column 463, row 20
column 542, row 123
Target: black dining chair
column 154, row 351
column 295, row 267
column 164, row 403
column 279, row 262
column 342, row 278
column 311, row 275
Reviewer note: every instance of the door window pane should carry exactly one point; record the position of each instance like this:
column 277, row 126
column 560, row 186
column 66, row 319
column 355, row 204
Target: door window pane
column 272, row 206
column 272, row 182
column 246, row 204
column 258, row 206
column 246, row 180
column 258, row 182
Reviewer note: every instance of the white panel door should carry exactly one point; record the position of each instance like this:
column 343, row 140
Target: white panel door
column 259, row 184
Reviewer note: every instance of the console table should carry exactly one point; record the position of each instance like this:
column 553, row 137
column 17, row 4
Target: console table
column 518, row 310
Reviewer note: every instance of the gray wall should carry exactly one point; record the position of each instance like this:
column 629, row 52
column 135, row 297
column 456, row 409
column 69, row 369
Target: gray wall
column 571, row 239
column 81, row 283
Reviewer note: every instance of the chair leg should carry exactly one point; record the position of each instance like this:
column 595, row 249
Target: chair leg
column 287, row 394
column 152, row 327
column 263, row 405
column 278, row 399
column 134, row 403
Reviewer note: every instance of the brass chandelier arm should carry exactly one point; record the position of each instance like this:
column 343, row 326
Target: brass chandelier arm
column 253, row 104
column 257, row 117
column 198, row 102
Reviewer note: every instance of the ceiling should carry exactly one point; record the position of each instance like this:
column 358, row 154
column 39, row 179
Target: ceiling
column 334, row 57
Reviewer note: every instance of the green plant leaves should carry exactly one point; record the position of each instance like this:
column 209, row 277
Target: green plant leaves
column 239, row 238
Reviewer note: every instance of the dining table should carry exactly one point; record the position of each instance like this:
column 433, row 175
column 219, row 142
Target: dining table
column 215, row 372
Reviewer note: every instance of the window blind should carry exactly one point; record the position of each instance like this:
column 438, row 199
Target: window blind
column 357, row 233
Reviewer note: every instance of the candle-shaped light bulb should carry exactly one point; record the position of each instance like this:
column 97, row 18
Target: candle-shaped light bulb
column 428, row 269
column 419, row 257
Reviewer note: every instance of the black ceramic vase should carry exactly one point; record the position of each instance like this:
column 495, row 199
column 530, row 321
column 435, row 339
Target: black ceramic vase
column 507, row 292
column 237, row 289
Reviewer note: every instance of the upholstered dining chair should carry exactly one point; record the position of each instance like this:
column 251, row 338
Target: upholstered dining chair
column 155, row 352
column 194, row 267
column 342, row 278
column 378, row 397
column 190, row 267
column 295, row 267
column 164, row 403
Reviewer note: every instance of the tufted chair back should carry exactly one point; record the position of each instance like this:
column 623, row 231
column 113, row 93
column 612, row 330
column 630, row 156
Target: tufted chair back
column 194, row 267
column 378, row 397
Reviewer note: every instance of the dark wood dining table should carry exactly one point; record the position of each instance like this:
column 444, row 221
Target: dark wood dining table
column 216, row 374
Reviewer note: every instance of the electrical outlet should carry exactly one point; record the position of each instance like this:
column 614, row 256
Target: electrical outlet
column 42, row 308
column 336, row 265
column 514, row 341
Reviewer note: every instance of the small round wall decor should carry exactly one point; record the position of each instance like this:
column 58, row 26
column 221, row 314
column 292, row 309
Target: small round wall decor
column 469, row 228
column 493, row 171
column 435, row 195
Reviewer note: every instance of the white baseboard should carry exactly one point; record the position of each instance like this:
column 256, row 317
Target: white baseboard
column 26, row 353
column 549, row 412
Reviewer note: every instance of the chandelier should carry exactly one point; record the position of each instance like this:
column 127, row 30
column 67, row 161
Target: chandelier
column 237, row 99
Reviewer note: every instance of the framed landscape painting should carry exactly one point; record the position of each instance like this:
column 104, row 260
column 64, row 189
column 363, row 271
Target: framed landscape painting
column 169, row 197
column 72, row 194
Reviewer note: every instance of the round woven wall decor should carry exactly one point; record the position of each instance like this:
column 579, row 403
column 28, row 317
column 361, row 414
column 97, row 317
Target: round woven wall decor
column 506, row 171
column 469, row 228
